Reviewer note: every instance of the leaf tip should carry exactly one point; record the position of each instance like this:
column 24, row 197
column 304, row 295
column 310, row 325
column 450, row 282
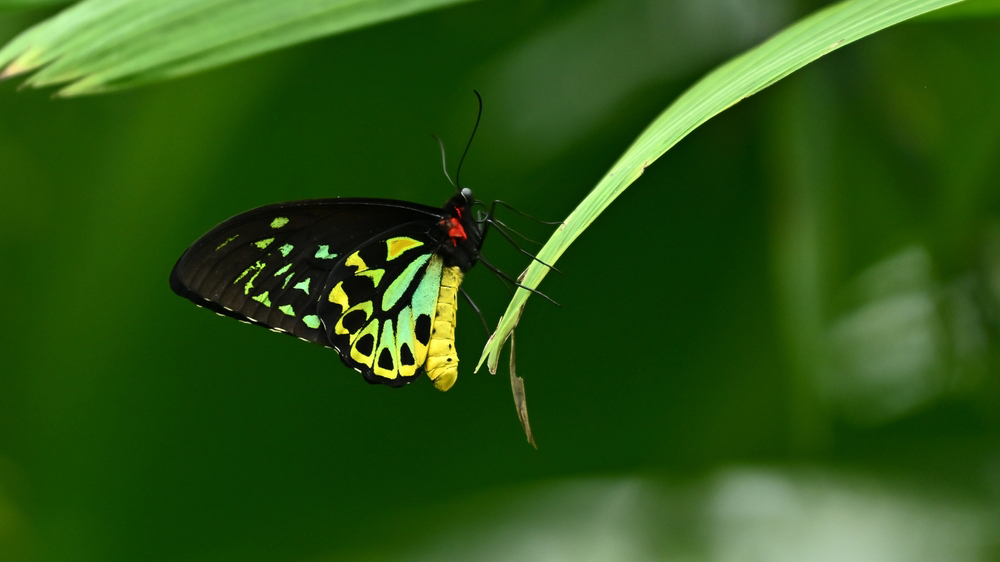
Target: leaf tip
column 12, row 69
column 27, row 61
column 82, row 86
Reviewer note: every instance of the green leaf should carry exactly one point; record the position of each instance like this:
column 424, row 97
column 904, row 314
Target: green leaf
column 798, row 45
column 101, row 45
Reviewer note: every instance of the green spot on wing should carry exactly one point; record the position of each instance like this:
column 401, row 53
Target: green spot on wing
column 282, row 270
column 425, row 297
column 228, row 240
column 279, row 222
column 256, row 268
column 286, row 249
column 246, row 290
column 404, row 330
column 323, row 252
column 287, row 279
column 262, row 298
column 311, row 320
column 302, row 285
column 402, row 281
column 287, row 309
column 263, row 243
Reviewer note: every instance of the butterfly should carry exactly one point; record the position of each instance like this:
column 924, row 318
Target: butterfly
column 375, row 279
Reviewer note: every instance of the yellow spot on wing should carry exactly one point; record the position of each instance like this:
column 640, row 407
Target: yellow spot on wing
column 366, row 360
column 339, row 329
column 374, row 274
column 338, row 296
column 356, row 261
column 396, row 246
column 263, row 243
column 387, row 341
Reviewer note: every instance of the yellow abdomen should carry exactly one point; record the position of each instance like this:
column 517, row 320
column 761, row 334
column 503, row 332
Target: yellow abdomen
column 442, row 358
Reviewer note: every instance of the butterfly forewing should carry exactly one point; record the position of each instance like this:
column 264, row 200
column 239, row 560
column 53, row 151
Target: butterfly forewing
column 269, row 265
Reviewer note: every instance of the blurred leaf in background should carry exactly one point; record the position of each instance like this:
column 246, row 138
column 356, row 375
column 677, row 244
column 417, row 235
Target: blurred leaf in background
column 110, row 44
column 782, row 343
column 735, row 514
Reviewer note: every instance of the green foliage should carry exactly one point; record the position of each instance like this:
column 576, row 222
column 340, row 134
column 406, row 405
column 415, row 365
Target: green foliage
column 783, row 345
column 101, row 45
column 736, row 80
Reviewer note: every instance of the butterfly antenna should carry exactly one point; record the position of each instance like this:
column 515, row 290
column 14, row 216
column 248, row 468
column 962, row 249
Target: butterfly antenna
column 444, row 160
column 519, row 248
column 476, row 308
column 458, row 171
column 503, row 276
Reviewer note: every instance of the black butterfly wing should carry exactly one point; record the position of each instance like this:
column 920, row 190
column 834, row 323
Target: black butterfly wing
column 268, row 266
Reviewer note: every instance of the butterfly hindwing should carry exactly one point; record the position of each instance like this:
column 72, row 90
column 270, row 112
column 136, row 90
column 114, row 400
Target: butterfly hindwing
column 268, row 266
column 379, row 304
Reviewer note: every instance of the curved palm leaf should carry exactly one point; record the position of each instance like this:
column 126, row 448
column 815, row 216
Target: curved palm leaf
column 791, row 49
column 100, row 45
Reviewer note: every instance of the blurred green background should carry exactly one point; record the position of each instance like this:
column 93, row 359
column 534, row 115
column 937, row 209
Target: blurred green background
column 780, row 344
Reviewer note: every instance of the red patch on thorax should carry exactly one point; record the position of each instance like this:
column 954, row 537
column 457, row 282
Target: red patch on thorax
column 455, row 229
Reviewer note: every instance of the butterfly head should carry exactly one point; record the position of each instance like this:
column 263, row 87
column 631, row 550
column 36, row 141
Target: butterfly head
column 463, row 234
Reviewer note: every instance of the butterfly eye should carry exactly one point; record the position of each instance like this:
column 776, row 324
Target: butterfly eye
column 467, row 193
